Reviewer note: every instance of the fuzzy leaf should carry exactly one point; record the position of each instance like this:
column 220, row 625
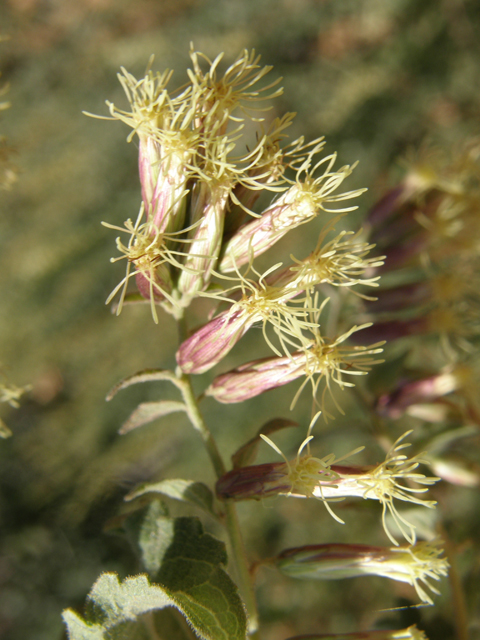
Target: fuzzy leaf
column 246, row 455
column 148, row 412
column 195, row 493
column 179, row 555
column 148, row 375
column 116, row 611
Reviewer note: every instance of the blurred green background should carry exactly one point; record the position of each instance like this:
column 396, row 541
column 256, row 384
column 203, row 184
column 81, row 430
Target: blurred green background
column 377, row 78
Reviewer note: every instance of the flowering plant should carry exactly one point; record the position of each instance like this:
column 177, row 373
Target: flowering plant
column 200, row 229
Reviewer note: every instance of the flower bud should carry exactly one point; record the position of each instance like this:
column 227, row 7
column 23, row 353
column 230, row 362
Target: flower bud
column 414, row 564
column 254, row 482
column 387, row 206
column 153, row 282
column 205, row 247
column 400, row 298
column 421, row 391
column 321, row 358
column 207, row 346
column 302, row 202
column 254, row 378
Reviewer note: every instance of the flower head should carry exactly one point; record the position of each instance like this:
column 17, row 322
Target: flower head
column 253, row 301
column 320, row 360
column 388, row 481
column 414, row 564
column 307, row 196
column 325, row 479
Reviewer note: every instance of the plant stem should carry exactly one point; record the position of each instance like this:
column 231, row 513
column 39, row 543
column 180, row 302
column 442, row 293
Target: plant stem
column 231, row 521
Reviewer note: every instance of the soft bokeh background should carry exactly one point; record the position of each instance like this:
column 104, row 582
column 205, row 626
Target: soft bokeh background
column 376, row 78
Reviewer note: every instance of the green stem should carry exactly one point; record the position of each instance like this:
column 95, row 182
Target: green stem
column 198, row 423
column 232, row 524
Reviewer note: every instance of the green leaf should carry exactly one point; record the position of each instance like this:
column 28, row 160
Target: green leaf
column 191, row 569
column 114, row 609
column 149, row 411
column 120, row 611
column 246, row 455
column 148, row 375
column 184, row 559
column 195, row 493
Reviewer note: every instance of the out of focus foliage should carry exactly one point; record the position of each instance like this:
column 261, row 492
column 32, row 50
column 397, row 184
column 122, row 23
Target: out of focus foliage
column 377, row 78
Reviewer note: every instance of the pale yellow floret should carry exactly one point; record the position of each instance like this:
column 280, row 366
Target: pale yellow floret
column 259, row 302
column 146, row 249
column 340, row 262
column 218, row 97
column 416, row 565
column 327, row 360
column 391, row 481
column 305, row 471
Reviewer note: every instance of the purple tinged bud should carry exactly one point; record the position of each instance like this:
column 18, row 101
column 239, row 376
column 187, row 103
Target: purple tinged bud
column 254, row 482
column 207, row 241
column 387, row 206
column 207, row 346
column 254, row 378
column 422, row 391
column 255, row 237
column 392, row 330
column 398, row 298
column 149, row 159
column 153, row 282
column 400, row 254
column 163, row 177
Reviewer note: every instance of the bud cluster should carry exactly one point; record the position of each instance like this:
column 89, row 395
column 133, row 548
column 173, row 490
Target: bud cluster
column 429, row 229
column 436, row 270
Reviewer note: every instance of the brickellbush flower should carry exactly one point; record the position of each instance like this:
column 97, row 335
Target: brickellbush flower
column 197, row 188
column 302, row 202
column 430, row 224
column 199, row 231
column 325, row 479
column 414, row 564
column 320, row 360
column 340, row 262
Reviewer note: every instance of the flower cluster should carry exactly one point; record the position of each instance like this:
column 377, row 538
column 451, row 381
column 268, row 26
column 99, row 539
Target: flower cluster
column 198, row 234
column 428, row 227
